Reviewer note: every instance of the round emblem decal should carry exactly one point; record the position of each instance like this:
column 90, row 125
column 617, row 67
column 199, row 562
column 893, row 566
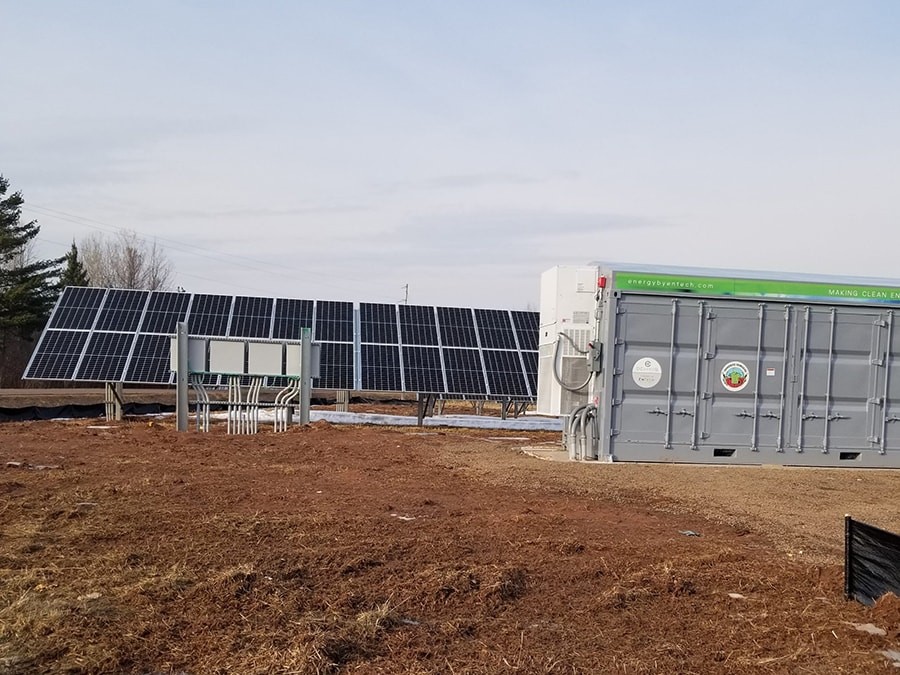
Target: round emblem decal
column 646, row 373
column 735, row 376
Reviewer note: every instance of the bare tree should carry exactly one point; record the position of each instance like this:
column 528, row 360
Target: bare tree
column 125, row 260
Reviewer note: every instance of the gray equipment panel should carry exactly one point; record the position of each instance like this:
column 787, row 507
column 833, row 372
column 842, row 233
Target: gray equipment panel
column 739, row 381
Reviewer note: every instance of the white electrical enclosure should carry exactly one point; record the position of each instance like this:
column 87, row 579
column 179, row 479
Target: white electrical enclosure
column 264, row 358
column 226, row 357
column 568, row 301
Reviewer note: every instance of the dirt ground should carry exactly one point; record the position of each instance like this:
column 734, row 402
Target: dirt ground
column 130, row 548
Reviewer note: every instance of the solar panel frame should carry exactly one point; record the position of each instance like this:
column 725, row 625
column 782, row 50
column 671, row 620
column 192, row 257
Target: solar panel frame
column 164, row 310
column 105, row 357
column 333, row 321
column 423, row 369
column 122, row 310
column 495, row 329
column 210, row 315
column 337, row 366
column 290, row 317
column 457, row 327
column 380, row 365
column 527, row 325
column 151, row 359
column 464, row 370
column 505, row 375
column 378, row 323
column 530, row 363
column 418, row 325
column 77, row 308
column 57, row 355
column 251, row 317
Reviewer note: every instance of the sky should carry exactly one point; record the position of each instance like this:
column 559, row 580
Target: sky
column 447, row 153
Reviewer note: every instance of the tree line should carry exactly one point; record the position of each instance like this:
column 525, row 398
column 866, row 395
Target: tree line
column 29, row 286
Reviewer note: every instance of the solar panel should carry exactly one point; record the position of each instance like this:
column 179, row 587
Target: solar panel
column 97, row 334
column 530, row 359
column 334, row 321
column 495, row 329
column 457, row 327
column 465, row 372
column 417, row 326
column 291, row 317
column 105, row 357
column 252, row 317
column 381, row 368
column 504, row 373
column 336, row 366
column 164, row 311
column 378, row 323
column 209, row 315
column 77, row 308
column 151, row 362
column 422, row 370
column 527, row 327
column 122, row 310
column 57, row 355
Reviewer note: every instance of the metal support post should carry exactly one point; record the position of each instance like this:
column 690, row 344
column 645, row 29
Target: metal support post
column 181, row 376
column 342, row 400
column 305, row 374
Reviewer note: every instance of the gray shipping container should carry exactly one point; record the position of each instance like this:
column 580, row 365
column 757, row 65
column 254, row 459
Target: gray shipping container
column 726, row 367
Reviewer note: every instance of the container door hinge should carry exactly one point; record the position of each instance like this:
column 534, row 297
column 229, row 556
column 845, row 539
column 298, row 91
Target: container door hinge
column 877, row 362
column 873, row 439
column 875, row 401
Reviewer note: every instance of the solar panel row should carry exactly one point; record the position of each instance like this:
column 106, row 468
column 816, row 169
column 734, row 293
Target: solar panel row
column 97, row 334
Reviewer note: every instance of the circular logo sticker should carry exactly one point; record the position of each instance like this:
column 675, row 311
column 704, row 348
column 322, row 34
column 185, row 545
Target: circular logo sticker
column 735, row 376
column 646, row 373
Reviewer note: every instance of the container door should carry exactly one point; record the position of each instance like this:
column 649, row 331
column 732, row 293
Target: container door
column 749, row 378
column 843, row 356
column 891, row 423
column 660, row 366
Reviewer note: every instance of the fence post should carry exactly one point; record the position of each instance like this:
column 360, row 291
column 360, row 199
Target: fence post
column 848, row 556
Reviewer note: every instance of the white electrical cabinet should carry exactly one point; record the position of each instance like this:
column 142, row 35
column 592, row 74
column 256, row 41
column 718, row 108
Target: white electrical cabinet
column 568, row 299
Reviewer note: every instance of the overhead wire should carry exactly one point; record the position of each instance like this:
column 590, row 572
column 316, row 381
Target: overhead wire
column 231, row 258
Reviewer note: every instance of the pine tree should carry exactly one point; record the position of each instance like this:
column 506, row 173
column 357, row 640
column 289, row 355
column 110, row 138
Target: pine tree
column 74, row 273
column 28, row 288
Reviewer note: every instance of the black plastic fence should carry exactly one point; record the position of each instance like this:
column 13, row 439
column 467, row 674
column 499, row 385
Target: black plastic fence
column 73, row 410
column 871, row 562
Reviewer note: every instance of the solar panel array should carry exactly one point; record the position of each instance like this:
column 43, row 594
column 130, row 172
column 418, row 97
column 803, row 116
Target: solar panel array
column 112, row 335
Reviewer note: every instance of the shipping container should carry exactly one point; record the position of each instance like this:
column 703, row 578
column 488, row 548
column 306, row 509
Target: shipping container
column 708, row 366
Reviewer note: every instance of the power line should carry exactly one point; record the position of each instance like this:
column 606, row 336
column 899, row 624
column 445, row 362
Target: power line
column 242, row 261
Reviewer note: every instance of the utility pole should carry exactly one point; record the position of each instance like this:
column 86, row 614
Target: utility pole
column 405, row 288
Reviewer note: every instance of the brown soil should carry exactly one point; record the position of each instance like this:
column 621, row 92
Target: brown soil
column 135, row 549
